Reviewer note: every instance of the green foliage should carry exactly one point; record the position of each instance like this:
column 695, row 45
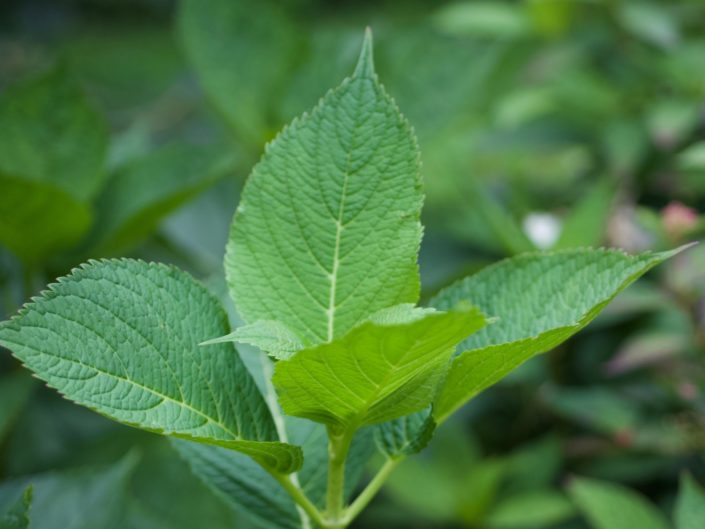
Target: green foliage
column 321, row 265
column 540, row 300
column 610, row 506
column 79, row 336
column 690, row 506
column 17, row 516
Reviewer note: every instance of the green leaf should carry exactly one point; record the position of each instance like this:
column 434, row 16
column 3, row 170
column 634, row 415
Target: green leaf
column 38, row 219
column 327, row 231
column 148, row 188
column 587, row 223
column 270, row 336
column 15, row 389
column 610, row 506
column 242, row 484
column 377, row 372
column 17, row 517
column 243, row 54
column 541, row 299
column 690, row 505
column 535, row 509
column 51, row 134
column 121, row 337
column 406, row 435
column 91, row 498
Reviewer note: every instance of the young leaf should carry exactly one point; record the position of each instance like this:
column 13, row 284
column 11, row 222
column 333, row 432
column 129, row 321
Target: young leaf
column 690, row 506
column 121, row 337
column 610, row 506
column 406, row 435
column 328, row 227
column 541, row 300
column 375, row 373
column 272, row 337
column 17, row 516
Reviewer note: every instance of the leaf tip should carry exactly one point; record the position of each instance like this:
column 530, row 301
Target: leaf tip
column 365, row 64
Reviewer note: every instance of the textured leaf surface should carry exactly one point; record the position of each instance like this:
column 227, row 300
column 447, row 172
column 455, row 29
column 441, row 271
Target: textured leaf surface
column 121, row 337
column 610, row 506
column 39, row 218
column 690, row 505
column 327, row 231
column 270, row 336
column 140, row 194
column 540, row 300
column 243, row 54
column 51, row 134
column 375, row 373
column 17, row 516
column 406, row 435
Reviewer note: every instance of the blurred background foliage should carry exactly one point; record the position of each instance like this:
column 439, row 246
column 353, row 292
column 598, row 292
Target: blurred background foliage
column 127, row 128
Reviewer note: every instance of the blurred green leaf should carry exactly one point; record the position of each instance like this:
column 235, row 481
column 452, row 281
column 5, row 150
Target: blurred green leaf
column 17, row 516
column 243, row 54
column 486, row 19
column 586, row 224
column 610, row 506
column 141, row 193
column 538, row 509
column 690, row 505
column 92, row 498
column 51, row 134
column 15, row 389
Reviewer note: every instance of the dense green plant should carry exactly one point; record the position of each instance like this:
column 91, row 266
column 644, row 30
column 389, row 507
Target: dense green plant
column 322, row 266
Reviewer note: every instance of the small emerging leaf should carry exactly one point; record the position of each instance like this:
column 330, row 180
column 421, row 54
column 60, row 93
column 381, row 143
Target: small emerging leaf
column 121, row 337
column 270, row 336
column 406, row 435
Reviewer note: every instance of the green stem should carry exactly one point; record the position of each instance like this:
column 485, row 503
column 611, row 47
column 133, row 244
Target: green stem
column 301, row 499
column 338, row 447
column 370, row 490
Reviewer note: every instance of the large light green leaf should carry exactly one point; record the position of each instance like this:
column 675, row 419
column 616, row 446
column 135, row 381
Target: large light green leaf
column 148, row 188
column 610, row 506
column 51, row 134
column 690, row 506
column 38, row 219
column 121, row 337
column 243, row 54
column 379, row 371
column 540, row 300
column 17, row 516
column 328, row 228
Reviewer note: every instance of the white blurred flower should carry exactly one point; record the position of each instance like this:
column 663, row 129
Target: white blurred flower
column 543, row 229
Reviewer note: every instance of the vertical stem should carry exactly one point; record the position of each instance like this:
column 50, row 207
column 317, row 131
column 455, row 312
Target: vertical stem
column 338, row 447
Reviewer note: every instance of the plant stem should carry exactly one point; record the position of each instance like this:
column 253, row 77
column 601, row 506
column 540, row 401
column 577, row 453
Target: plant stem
column 301, row 499
column 370, row 490
column 338, row 447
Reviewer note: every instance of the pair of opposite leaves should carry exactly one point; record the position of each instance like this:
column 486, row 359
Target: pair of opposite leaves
column 322, row 264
